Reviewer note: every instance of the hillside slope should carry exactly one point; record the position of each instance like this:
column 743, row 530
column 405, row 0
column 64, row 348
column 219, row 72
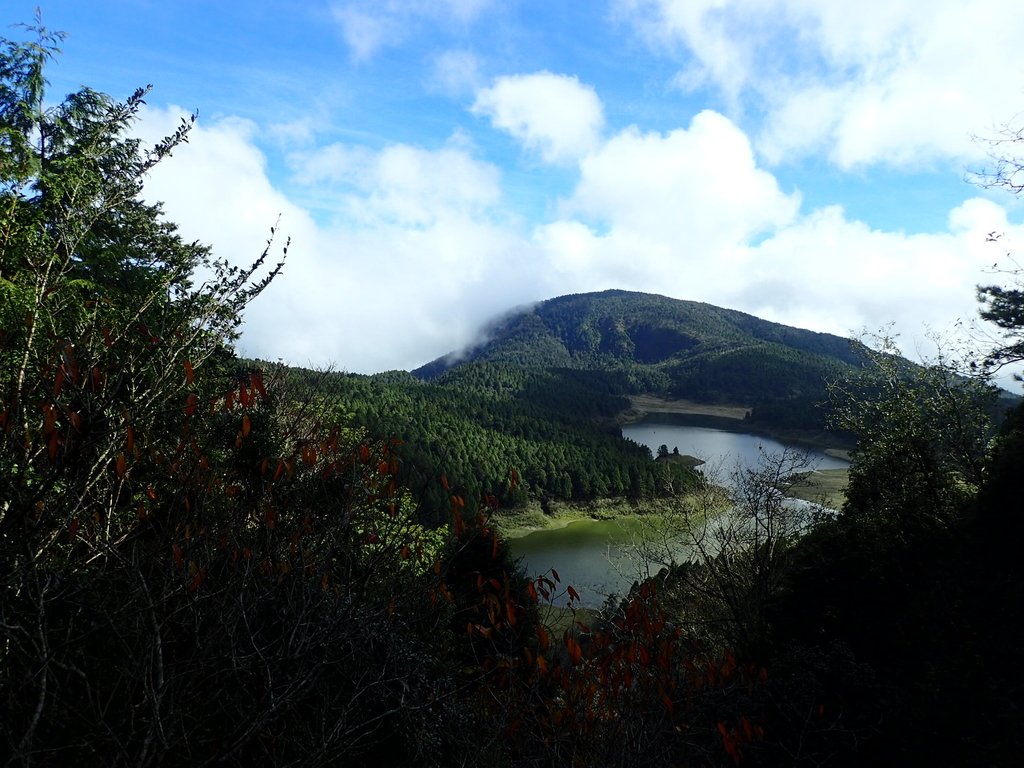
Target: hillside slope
column 643, row 342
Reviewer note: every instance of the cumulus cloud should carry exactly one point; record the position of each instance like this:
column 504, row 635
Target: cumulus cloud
column 699, row 184
column 665, row 212
column 408, row 250
column 415, row 256
column 551, row 114
column 872, row 82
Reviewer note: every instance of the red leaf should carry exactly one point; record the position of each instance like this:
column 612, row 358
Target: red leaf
column 246, row 425
column 121, row 465
column 573, row 594
column 189, row 373
column 309, row 454
column 555, row 574
column 575, row 652
column 667, row 701
column 191, row 404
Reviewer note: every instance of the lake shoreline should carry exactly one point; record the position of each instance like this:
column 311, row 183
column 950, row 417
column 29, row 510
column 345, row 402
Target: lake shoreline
column 728, row 418
column 820, row 486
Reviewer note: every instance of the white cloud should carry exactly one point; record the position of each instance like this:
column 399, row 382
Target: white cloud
column 371, row 25
column 418, row 249
column 417, row 255
column 699, row 185
column 365, row 32
column 554, row 115
column 456, row 73
column 400, row 183
column 874, row 82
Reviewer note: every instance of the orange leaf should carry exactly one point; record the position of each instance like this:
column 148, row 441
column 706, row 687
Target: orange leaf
column 130, row 439
column 121, row 465
column 543, row 641
column 246, row 425
column 189, row 373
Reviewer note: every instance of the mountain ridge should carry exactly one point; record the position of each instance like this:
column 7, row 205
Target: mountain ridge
column 657, row 343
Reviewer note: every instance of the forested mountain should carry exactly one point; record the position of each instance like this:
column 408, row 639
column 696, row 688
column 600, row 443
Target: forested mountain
column 538, row 400
column 206, row 560
column 636, row 342
column 497, row 429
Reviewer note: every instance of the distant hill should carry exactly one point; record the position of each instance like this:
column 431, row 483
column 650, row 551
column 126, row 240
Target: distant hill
column 642, row 342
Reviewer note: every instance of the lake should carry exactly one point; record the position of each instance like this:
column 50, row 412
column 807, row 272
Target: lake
column 716, row 445
column 597, row 557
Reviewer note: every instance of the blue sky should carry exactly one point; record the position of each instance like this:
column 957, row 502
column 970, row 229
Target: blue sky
column 437, row 162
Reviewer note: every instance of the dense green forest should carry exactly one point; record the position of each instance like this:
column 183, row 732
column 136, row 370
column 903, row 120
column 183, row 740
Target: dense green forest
column 208, row 560
column 634, row 342
column 481, row 422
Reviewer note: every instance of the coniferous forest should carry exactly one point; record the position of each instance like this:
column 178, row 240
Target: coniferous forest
column 206, row 559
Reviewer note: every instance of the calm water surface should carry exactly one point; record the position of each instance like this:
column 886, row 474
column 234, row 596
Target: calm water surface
column 597, row 557
column 716, row 445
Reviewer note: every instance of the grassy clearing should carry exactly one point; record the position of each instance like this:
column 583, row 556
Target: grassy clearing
column 520, row 521
column 826, row 486
column 643, row 405
column 515, row 522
